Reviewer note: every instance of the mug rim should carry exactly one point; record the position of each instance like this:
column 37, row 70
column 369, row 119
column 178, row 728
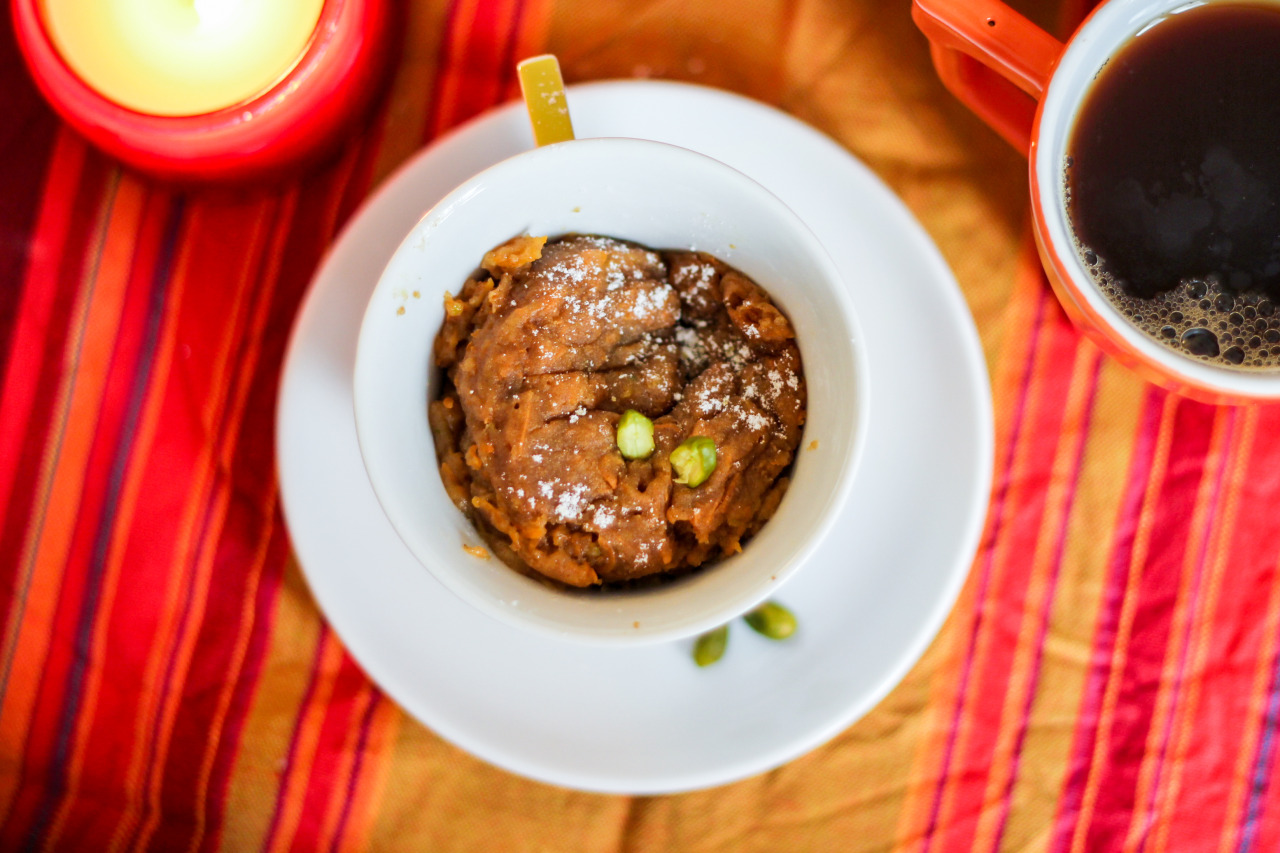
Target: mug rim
column 1108, row 28
column 746, row 594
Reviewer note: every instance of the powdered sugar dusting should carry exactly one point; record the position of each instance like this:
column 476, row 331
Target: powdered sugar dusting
column 572, row 501
column 603, row 517
column 652, row 300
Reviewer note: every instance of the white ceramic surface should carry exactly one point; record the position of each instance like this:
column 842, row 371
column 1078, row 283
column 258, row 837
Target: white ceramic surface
column 1113, row 24
column 645, row 719
column 657, row 195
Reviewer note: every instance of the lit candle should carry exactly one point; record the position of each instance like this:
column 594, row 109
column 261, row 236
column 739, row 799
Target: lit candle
column 203, row 90
column 181, row 57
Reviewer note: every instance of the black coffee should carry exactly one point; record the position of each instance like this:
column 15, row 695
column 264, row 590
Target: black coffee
column 1173, row 182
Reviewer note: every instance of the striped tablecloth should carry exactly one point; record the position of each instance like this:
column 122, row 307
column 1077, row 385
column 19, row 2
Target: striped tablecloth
column 1107, row 681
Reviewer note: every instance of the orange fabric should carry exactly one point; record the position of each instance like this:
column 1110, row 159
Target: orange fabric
column 1108, row 679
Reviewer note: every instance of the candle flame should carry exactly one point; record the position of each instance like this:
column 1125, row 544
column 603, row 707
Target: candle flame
column 218, row 13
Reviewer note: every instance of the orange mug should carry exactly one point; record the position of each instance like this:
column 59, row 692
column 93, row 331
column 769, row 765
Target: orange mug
column 1029, row 87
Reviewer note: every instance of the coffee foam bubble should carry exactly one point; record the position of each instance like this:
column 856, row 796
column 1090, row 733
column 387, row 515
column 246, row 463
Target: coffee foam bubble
column 1199, row 318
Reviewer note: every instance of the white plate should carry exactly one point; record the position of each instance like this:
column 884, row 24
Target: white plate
column 646, row 720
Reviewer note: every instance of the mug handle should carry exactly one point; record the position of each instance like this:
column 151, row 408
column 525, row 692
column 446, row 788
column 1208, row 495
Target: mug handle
column 991, row 58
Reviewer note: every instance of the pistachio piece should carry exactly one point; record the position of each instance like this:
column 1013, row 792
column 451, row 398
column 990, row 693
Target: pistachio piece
column 635, row 435
column 773, row 620
column 694, row 460
column 710, row 646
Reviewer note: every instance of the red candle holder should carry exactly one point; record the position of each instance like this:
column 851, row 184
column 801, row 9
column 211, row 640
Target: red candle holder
column 297, row 119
